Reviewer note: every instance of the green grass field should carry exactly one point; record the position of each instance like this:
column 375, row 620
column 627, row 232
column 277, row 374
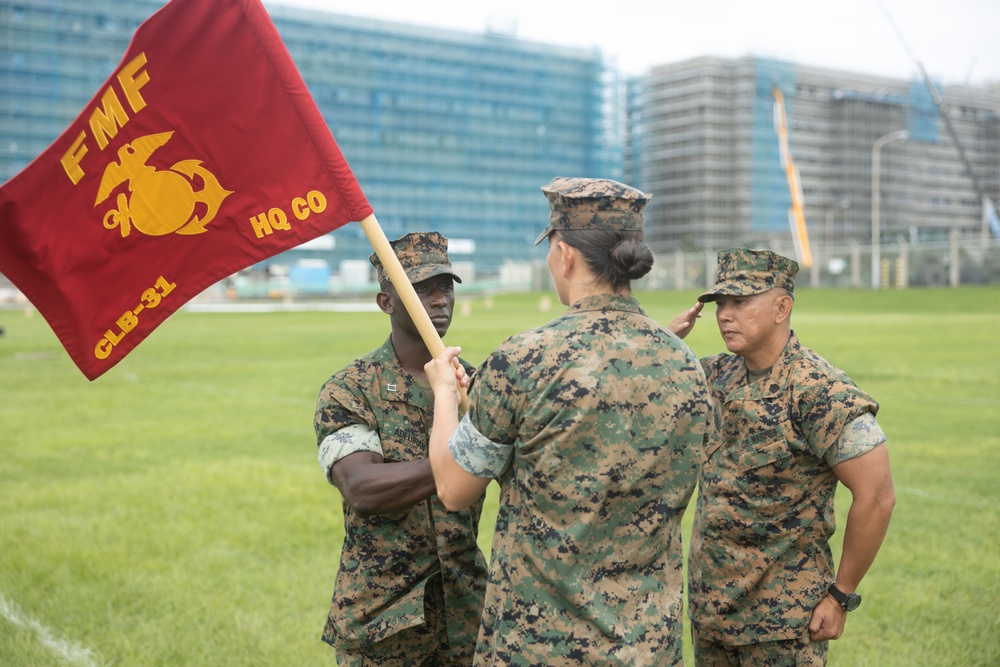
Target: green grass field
column 172, row 513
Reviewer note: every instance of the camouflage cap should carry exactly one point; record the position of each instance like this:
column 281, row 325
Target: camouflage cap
column 593, row 203
column 422, row 254
column 745, row 272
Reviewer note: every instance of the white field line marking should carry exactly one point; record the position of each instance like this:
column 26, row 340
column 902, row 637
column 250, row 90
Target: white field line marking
column 65, row 649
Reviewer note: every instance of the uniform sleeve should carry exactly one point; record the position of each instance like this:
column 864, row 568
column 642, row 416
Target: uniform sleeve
column 477, row 454
column 859, row 436
column 827, row 402
column 344, row 422
column 348, row 440
column 483, row 444
column 495, row 398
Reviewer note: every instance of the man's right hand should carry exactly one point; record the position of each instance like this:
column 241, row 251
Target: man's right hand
column 684, row 323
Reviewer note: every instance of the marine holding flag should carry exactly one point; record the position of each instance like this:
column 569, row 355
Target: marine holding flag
column 202, row 154
column 593, row 425
column 409, row 589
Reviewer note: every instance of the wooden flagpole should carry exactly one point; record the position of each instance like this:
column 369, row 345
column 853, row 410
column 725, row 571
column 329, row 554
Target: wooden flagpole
column 406, row 292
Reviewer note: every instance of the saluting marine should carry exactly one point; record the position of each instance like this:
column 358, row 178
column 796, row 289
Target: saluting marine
column 787, row 427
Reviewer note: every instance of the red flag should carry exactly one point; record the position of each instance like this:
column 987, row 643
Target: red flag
column 202, row 154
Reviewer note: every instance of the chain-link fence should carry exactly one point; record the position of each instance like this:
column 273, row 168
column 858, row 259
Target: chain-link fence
column 896, row 266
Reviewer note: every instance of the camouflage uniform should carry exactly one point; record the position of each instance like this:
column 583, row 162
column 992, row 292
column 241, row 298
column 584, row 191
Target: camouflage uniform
column 593, row 425
column 396, row 568
column 760, row 556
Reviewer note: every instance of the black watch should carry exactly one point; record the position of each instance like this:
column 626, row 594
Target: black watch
column 849, row 601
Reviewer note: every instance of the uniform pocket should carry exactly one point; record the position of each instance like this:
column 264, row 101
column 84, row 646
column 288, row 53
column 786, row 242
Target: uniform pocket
column 773, row 452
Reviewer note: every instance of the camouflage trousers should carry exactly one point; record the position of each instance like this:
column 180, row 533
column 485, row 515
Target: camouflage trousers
column 420, row 646
column 786, row 653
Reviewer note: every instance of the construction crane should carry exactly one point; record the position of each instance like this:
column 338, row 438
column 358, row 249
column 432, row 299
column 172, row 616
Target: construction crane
column 989, row 212
column 796, row 214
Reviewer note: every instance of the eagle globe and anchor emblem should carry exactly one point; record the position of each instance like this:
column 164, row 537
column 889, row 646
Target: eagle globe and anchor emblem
column 159, row 202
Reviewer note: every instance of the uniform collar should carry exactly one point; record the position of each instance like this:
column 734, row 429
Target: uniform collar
column 605, row 302
column 734, row 379
column 394, row 383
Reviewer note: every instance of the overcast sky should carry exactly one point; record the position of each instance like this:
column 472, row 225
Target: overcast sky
column 958, row 41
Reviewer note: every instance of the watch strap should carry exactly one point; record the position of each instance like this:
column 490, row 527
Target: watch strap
column 848, row 601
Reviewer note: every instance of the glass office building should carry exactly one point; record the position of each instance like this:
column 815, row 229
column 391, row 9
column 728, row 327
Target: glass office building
column 445, row 130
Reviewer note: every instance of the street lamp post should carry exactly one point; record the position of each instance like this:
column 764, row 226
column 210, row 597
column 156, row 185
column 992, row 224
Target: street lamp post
column 876, row 230
column 828, row 227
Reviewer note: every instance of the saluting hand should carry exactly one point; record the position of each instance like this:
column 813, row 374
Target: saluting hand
column 685, row 322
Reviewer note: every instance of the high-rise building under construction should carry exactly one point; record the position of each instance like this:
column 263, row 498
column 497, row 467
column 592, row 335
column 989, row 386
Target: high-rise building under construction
column 456, row 131
column 708, row 148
